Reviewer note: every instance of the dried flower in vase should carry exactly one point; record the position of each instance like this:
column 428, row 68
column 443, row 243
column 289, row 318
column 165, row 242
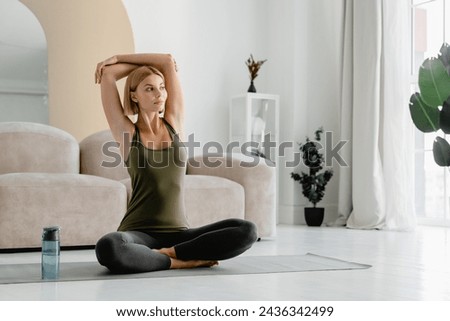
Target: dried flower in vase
column 253, row 66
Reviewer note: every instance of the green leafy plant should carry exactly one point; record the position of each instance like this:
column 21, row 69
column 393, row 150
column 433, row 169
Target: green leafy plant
column 430, row 108
column 314, row 182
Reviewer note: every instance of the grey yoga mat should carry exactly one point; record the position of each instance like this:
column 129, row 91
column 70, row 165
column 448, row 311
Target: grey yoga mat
column 83, row 271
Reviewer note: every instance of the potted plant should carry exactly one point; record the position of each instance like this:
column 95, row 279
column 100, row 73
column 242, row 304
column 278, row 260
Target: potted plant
column 314, row 181
column 430, row 109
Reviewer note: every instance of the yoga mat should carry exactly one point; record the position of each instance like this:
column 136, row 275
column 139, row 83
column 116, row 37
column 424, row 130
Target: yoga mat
column 83, row 271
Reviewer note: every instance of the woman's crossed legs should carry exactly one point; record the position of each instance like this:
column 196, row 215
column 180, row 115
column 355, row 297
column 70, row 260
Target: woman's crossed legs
column 137, row 251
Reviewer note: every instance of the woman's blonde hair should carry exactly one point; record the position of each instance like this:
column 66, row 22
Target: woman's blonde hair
column 134, row 79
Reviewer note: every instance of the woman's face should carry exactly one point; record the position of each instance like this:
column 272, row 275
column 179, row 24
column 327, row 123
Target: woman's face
column 151, row 94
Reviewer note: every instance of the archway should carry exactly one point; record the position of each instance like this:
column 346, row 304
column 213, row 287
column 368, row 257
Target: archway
column 79, row 35
column 23, row 68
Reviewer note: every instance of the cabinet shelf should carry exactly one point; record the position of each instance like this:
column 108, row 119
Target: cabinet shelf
column 254, row 118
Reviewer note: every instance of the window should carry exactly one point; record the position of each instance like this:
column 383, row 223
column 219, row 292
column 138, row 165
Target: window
column 429, row 30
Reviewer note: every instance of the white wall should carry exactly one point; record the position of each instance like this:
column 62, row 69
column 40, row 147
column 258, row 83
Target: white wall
column 212, row 39
column 306, row 39
column 287, row 36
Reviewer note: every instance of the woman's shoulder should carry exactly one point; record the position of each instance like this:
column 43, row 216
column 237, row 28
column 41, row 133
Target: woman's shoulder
column 169, row 125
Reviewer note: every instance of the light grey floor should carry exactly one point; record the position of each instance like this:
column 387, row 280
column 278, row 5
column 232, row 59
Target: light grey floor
column 405, row 266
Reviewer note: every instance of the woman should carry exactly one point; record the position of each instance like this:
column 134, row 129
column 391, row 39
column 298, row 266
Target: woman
column 154, row 233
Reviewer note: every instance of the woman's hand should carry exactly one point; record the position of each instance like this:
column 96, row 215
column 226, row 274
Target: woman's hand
column 101, row 65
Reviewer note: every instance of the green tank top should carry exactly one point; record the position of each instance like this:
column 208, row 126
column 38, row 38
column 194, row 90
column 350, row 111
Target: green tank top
column 157, row 181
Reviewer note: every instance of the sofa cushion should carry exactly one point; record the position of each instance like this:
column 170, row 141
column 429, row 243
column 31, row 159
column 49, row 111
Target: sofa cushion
column 100, row 156
column 209, row 199
column 31, row 147
column 85, row 207
column 256, row 175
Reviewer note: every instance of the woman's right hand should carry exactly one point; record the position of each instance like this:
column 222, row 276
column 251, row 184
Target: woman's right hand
column 101, row 65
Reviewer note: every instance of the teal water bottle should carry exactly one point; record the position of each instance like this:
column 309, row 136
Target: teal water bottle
column 50, row 253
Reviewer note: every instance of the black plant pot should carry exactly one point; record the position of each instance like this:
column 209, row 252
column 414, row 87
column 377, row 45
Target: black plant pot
column 314, row 216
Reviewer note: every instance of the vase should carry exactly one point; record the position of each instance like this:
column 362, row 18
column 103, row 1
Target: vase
column 252, row 88
column 314, row 216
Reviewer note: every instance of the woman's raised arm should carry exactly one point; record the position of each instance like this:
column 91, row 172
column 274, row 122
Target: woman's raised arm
column 106, row 75
column 174, row 111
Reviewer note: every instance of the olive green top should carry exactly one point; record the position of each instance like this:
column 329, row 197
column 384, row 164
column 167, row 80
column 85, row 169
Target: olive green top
column 157, row 181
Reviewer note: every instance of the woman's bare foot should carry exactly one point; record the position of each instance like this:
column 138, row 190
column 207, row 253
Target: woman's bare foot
column 179, row 264
column 170, row 252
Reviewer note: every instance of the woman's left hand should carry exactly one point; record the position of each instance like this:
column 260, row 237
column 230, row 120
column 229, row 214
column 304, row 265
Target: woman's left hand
column 101, row 65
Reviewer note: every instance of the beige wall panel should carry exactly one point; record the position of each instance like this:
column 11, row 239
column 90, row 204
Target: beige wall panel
column 79, row 34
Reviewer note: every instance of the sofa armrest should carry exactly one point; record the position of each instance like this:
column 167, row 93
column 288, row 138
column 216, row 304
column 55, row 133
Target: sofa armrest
column 85, row 207
column 256, row 176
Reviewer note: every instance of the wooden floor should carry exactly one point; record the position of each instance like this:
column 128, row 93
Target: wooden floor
column 405, row 266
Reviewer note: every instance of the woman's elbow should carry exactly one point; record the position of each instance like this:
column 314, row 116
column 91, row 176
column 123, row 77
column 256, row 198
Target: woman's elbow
column 109, row 74
column 170, row 62
column 169, row 57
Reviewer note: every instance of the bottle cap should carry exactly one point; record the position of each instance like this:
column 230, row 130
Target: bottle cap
column 51, row 233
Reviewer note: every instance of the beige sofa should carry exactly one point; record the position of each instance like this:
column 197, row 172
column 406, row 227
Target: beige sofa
column 48, row 178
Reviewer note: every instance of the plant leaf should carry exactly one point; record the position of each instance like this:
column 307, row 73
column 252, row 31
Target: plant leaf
column 425, row 117
column 444, row 117
column 441, row 152
column 434, row 82
column 444, row 56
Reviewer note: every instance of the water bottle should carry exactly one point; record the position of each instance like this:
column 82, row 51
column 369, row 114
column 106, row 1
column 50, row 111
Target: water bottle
column 50, row 253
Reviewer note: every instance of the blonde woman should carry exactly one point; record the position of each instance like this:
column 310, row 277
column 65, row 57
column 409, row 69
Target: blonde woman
column 154, row 233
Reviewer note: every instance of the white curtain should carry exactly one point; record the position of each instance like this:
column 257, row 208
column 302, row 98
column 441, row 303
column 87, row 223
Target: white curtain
column 377, row 189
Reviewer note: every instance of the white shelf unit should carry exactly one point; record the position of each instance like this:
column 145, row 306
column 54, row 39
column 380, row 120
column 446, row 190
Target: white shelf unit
column 253, row 118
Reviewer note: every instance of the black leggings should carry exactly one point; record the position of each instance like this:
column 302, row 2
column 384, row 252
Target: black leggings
column 132, row 251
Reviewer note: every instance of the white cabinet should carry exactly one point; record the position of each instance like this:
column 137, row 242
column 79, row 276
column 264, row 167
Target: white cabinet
column 254, row 124
column 254, row 128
